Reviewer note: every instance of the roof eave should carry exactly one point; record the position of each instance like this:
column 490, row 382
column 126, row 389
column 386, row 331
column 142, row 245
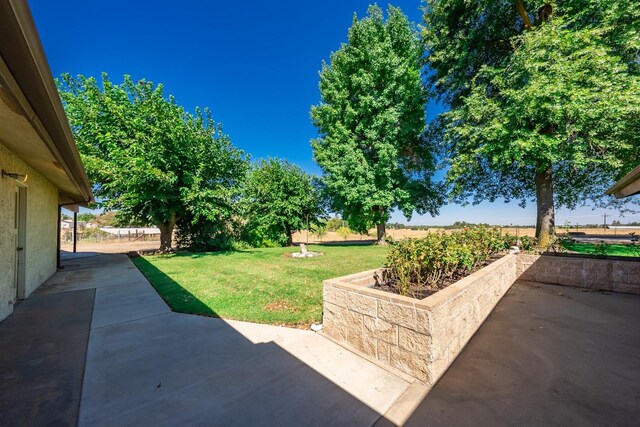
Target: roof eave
column 23, row 54
column 629, row 185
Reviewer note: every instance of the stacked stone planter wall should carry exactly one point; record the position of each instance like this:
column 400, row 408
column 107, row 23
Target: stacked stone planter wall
column 617, row 274
column 423, row 337
column 418, row 337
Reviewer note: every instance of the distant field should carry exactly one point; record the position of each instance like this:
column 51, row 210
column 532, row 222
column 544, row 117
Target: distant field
column 112, row 247
column 406, row 233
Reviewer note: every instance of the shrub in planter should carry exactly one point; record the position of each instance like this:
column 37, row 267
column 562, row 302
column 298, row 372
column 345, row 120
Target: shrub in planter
column 635, row 244
column 526, row 243
column 425, row 264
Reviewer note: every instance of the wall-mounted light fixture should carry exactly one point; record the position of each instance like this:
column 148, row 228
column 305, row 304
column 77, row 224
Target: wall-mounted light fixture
column 14, row 175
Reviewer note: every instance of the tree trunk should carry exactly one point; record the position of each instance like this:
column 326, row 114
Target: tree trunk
column 545, row 221
column 166, row 234
column 289, row 235
column 524, row 15
column 382, row 234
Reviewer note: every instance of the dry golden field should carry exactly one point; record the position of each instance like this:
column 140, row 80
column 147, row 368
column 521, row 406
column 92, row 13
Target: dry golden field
column 301, row 237
column 112, row 247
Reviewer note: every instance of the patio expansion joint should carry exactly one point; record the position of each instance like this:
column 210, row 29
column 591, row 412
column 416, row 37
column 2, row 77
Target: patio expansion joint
column 136, row 282
column 61, row 289
column 132, row 320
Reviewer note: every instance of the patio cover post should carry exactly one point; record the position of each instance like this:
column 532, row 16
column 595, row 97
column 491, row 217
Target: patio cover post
column 75, row 231
column 58, row 266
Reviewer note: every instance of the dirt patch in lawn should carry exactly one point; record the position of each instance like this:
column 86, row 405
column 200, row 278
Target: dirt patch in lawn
column 280, row 305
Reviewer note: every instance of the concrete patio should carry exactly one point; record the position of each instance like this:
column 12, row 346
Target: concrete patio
column 547, row 356
column 146, row 365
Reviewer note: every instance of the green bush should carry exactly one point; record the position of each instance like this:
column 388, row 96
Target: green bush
column 526, row 243
column 205, row 235
column 334, row 223
column 635, row 244
column 319, row 231
column 416, row 264
column 344, row 232
column 239, row 246
column 601, row 249
column 262, row 236
column 91, row 232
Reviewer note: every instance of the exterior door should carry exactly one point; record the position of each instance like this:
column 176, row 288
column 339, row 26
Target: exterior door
column 20, row 240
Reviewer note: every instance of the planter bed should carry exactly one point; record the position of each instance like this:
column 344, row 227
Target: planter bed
column 420, row 337
column 387, row 284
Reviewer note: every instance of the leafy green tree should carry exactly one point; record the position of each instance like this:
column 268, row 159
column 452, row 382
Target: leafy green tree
column 86, row 217
column 334, row 223
column 543, row 106
column 370, row 120
column 107, row 218
column 202, row 234
column 344, row 232
column 149, row 159
column 319, row 230
column 280, row 199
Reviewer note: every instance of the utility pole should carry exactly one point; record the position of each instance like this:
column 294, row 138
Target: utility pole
column 604, row 225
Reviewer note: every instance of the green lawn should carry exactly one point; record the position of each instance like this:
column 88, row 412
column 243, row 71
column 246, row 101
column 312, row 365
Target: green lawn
column 257, row 285
column 611, row 249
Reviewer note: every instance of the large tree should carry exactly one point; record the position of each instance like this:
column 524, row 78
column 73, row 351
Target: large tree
column 544, row 98
column 280, row 199
column 370, row 121
column 149, row 159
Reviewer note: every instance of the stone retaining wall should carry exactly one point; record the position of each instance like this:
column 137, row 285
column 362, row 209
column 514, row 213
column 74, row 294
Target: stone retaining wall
column 611, row 274
column 418, row 337
column 423, row 337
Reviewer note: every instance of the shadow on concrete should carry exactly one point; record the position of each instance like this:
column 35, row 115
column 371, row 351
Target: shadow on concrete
column 43, row 346
column 149, row 366
column 547, row 355
column 180, row 369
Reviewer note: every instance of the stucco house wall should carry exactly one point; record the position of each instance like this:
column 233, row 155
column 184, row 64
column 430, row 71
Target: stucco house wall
column 41, row 233
column 36, row 141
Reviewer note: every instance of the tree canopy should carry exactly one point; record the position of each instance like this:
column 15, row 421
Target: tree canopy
column 149, row 159
column 280, row 199
column 370, row 120
column 86, row 217
column 543, row 106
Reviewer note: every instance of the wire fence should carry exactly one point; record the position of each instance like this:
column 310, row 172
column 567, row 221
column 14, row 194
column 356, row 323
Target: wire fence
column 97, row 235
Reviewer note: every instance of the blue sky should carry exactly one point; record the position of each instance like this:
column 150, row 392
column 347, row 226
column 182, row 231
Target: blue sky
column 254, row 64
